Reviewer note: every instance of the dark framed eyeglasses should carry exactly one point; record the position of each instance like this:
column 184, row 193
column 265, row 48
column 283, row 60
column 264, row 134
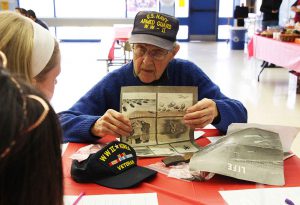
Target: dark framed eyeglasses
column 156, row 54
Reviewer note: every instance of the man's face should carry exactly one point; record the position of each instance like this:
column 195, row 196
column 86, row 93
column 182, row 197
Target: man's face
column 150, row 61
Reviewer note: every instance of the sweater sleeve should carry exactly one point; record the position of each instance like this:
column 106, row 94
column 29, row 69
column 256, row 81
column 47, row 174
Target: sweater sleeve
column 230, row 110
column 79, row 119
column 77, row 126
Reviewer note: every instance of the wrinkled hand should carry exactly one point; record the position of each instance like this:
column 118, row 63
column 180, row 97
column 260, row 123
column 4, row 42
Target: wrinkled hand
column 112, row 123
column 201, row 114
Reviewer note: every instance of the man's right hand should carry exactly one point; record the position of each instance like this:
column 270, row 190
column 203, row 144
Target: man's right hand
column 112, row 123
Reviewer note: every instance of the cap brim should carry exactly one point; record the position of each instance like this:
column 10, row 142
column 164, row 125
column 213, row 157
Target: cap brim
column 127, row 179
column 153, row 40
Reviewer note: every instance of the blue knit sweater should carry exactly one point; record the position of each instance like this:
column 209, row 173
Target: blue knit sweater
column 78, row 120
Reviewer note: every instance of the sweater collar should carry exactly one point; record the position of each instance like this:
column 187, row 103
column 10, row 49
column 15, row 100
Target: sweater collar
column 164, row 77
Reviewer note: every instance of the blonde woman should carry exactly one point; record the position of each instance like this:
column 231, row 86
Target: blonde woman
column 32, row 52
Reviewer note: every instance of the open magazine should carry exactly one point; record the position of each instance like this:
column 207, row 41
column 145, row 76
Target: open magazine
column 156, row 114
column 251, row 154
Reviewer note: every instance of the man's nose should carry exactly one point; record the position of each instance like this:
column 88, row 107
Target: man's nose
column 147, row 59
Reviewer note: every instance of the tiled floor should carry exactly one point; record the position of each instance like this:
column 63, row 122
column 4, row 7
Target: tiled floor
column 273, row 100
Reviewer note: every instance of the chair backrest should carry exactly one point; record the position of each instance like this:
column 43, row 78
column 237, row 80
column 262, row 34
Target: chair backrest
column 127, row 46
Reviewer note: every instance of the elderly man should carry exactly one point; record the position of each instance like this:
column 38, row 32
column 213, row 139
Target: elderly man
column 153, row 38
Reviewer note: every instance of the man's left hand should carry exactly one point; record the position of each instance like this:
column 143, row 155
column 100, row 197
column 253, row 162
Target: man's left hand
column 201, row 114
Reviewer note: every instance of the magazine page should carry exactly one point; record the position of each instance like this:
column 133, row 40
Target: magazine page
column 156, row 114
column 250, row 154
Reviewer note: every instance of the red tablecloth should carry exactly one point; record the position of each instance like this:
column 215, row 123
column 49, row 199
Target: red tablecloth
column 280, row 53
column 174, row 191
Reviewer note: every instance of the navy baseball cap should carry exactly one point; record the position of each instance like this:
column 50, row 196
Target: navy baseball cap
column 114, row 166
column 154, row 28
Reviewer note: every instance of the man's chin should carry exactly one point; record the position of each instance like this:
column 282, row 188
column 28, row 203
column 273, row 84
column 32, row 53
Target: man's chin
column 146, row 79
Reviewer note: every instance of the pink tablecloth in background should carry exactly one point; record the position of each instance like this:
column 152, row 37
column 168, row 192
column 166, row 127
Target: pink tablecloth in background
column 280, row 53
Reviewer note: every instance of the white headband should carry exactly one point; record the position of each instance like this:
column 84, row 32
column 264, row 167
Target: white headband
column 43, row 46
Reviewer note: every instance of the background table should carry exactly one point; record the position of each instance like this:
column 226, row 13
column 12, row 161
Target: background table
column 284, row 54
column 121, row 36
column 175, row 191
column 119, row 41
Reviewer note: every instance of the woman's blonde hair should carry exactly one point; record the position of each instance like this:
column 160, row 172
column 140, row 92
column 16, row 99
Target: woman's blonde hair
column 16, row 41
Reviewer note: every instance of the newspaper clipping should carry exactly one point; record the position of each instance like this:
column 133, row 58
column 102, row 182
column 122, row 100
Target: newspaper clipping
column 156, row 115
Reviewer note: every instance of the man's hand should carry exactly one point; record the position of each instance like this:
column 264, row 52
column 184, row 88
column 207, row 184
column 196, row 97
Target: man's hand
column 112, row 123
column 201, row 114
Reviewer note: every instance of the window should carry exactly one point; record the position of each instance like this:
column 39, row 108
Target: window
column 225, row 8
column 90, row 8
column 42, row 9
column 182, row 8
column 225, row 11
column 133, row 6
